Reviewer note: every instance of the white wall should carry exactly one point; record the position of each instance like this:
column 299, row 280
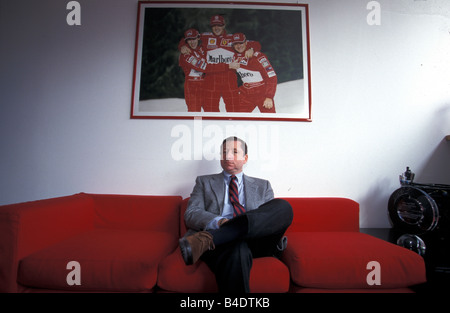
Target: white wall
column 380, row 94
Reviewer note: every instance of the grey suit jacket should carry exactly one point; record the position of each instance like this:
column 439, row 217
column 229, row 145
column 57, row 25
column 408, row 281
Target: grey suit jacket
column 207, row 199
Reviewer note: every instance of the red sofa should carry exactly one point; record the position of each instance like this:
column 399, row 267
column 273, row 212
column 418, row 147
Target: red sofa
column 129, row 243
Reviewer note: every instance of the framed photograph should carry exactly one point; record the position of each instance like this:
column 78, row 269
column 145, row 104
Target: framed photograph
column 220, row 60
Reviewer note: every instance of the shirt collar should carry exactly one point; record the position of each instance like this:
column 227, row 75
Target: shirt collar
column 228, row 176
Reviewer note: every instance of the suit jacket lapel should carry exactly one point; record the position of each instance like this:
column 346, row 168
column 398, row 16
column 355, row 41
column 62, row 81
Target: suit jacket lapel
column 218, row 187
column 250, row 193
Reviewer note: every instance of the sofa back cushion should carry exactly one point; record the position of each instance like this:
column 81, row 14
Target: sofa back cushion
column 39, row 223
column 157, row 213
column 324, row 214
column 312, row 214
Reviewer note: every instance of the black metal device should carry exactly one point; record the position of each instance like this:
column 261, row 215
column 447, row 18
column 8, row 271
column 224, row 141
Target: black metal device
column 420, row 218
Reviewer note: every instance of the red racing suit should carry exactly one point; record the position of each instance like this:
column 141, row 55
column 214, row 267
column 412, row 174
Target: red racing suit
column 259, row 82
column 220, row 81
column 193, row 65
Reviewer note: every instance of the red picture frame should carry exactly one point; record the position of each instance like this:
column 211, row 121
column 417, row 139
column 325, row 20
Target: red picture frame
column 279, row 31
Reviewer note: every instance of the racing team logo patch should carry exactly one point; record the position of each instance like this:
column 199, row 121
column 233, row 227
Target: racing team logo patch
column 212, row 42
column 225, row 42
column 244, row 61
column 269, row 69
column 271, row 72
column 192, row 60
column 264, row 62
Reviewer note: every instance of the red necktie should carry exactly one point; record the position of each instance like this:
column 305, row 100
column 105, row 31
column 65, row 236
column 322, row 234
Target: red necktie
column 234, row 197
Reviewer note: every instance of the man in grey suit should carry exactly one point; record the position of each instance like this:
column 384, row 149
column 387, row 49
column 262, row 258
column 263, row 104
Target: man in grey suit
column 233, row 218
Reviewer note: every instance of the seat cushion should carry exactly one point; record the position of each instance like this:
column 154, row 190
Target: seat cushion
column 297, row 289
column 110, row 260
column 267, row 275
column 340, row 260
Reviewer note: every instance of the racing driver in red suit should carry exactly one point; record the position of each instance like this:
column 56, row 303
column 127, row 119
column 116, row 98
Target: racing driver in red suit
column 194, row 66
column 258, row 77
column 219, row 81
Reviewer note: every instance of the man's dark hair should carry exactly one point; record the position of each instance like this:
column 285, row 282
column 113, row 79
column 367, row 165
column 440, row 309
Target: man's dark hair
column 233, row 138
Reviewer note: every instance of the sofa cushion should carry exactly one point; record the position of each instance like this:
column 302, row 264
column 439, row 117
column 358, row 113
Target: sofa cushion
column 110, row 260
column 297, row 289
column 268, row 274
column 341, row 259
column 175, row 276
column 30, row 226
column 324, row 214
column 158, row 213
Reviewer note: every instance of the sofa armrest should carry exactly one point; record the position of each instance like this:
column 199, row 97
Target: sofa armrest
column 324, row 214
column 31, row 226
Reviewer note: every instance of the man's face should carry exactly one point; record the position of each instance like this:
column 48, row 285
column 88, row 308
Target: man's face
column 240, row 47
column 233, row 157
column 193, row 43
column 218, row 29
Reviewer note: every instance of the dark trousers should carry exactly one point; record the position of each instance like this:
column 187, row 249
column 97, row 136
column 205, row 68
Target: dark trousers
column 250, row 235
